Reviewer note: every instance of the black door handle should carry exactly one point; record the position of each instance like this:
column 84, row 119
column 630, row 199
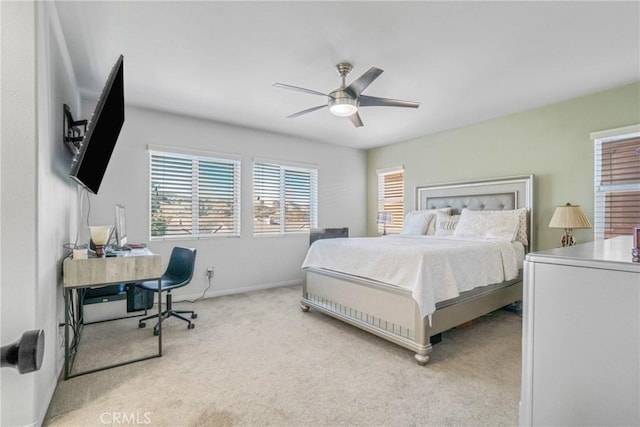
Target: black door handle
column 25, row 354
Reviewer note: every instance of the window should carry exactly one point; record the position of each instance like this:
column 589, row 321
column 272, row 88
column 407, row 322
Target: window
column 193, row 196
column 391, row 198
column 617, row 181
column 285, row 199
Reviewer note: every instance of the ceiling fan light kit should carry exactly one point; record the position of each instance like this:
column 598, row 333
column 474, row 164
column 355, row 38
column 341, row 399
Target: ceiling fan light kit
column 346, row 100
column 342, row 106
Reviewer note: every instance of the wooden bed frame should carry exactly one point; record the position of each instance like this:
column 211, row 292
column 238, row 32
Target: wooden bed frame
column 390, row 312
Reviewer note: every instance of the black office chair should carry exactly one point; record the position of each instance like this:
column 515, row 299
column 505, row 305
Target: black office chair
column 179, row 273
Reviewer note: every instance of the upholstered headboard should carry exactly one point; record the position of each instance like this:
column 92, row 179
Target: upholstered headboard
column 477, row 202
column 486, row 194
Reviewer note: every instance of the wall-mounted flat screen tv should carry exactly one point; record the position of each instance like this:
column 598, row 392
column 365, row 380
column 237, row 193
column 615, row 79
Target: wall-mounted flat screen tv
column 91, row 162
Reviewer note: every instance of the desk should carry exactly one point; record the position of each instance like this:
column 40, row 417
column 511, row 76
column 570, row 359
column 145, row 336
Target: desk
column 134, row 266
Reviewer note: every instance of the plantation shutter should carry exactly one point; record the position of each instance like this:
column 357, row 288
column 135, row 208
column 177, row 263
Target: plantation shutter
column 297, row 200
column 218, row 204
column 266, row 199
column 193, row 196
column 171, row 196
column 617, row 181
column 285, row 199
column 391, row 198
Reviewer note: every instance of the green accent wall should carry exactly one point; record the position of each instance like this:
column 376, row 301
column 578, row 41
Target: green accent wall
column 552, row 142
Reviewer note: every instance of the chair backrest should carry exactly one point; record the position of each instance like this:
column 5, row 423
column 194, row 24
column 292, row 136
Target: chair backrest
column 181, row 266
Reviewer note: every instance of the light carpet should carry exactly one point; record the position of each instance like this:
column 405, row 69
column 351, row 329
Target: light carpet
column 256, row 359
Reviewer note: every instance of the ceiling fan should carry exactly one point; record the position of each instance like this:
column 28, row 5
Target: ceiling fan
column 346, row 100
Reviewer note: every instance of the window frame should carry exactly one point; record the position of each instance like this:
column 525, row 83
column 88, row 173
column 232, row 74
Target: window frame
column 601, row 191
column 283, row 168
column 196, row 157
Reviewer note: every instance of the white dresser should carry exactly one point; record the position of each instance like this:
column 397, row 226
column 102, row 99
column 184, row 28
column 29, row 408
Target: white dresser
column 581, row 336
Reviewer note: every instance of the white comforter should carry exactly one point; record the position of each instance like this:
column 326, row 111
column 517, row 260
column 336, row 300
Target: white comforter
column 434, row 269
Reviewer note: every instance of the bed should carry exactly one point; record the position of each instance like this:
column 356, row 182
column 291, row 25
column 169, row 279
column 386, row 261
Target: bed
column 391, row 302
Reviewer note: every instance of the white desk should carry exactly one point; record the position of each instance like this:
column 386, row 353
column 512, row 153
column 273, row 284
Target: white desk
column 134, row 266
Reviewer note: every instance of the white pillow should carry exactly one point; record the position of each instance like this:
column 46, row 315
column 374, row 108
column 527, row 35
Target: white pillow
column 501, row 225
column 416, row 223
column 446, row 224
column 432, row 225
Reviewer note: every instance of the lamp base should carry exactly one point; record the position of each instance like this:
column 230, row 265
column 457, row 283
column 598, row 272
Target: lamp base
column 100, row 251
column 568, row 239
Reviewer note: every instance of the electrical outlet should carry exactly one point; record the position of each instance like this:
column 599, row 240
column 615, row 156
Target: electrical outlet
column 210, row 272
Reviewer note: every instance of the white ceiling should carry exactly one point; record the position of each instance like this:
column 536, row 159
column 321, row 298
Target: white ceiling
column 464, row 62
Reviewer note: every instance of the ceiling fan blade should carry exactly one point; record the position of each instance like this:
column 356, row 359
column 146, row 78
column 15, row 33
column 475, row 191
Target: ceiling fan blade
column 374, row 101
column 308, row 110
column 355, row 119
column 300, row 89
column 361, row 83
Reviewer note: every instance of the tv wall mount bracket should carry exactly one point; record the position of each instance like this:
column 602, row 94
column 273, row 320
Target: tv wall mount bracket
column 73, row 131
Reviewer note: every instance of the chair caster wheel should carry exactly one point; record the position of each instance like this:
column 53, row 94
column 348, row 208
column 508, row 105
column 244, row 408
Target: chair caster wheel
column 194, row 316
column 191, row 326
column 141, row 325
column 156, row 332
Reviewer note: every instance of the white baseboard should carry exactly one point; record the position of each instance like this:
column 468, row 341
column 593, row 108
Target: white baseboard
column 212, row 293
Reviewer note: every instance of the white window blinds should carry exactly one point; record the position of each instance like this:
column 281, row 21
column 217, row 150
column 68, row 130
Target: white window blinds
column 193, row 196
column 285, row 199
column 391, row 198
column 617, row 184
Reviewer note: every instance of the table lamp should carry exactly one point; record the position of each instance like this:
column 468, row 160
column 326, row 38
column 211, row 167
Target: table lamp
column 100, row 236
column 384, row 218
column 569, row 217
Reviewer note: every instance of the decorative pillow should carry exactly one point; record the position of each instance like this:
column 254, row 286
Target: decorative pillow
column 521, row 235
column 446, row 224
column 416, row 222
column 501, row 225
column 432, row 225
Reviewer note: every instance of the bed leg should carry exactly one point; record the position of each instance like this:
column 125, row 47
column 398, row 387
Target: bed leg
column 304, row 307
column 421, row 359
column 422, row 354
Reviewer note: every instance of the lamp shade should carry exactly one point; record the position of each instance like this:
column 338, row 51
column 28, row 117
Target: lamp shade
column 384, row 217
column 569, row 216
column 100, row 234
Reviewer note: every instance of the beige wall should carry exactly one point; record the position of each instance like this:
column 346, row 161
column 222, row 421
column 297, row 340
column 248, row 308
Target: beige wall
column 552, row 142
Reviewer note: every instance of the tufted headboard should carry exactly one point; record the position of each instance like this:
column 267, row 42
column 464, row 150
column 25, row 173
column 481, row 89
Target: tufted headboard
column 487, row 194
column 477, row 202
